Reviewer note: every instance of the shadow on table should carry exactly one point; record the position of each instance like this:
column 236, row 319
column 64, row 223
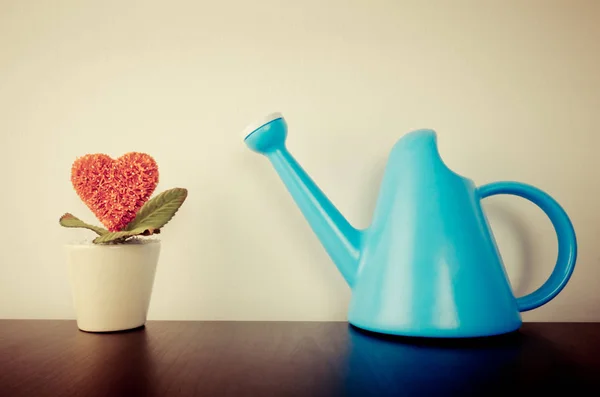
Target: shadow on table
column 114, row 364
column 386, row 365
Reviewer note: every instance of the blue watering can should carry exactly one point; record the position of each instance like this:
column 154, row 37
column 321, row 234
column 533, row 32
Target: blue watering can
column 428, row 265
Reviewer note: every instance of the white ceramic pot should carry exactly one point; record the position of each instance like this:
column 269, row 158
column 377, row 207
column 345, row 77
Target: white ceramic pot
column 112, row 284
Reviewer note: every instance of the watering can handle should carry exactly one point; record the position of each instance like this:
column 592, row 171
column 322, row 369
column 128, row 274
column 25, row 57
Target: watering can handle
column 567, row 242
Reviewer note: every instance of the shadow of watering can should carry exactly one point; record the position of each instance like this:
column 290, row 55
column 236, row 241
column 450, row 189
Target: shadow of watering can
column 428, row 264
column 509, row 364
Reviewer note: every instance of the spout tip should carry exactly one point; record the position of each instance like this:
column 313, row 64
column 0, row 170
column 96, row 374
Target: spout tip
column 266, row 135
column 260, row 123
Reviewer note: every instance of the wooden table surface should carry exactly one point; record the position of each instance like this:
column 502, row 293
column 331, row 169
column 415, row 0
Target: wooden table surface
column 53, row 358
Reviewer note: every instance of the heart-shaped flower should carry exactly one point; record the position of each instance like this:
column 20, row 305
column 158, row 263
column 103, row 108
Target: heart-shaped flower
column 115, row 190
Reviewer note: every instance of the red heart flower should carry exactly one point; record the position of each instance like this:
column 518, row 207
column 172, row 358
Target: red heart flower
column 115, row 190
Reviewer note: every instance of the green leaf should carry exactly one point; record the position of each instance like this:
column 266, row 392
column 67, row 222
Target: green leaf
column 68, row 220
column 122, row 236
column 158, row 211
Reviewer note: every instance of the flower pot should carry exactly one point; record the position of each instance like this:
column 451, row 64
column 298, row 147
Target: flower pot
column 112, row 284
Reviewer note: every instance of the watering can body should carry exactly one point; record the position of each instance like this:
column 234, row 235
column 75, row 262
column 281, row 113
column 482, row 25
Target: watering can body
column 428, row 265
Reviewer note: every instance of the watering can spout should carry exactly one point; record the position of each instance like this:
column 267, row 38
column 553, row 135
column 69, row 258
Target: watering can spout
column 339, row 238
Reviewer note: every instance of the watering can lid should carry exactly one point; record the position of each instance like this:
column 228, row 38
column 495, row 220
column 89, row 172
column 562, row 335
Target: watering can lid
column 259, row 123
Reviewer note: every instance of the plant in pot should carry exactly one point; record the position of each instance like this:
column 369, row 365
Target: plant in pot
column 112, row 276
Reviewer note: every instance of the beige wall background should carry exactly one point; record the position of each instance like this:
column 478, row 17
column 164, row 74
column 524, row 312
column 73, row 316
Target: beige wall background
column 511, row 87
